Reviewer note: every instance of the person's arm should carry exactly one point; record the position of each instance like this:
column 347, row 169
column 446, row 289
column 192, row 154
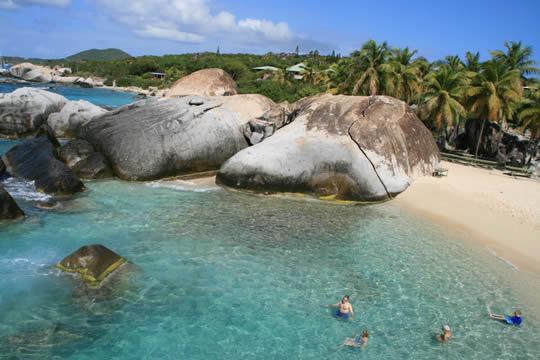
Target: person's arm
column 334, row 305
column 352, row 311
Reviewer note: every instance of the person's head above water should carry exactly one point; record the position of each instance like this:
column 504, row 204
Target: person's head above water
column 517, row 313
column 365, row 334
column 345, row 299
column 446, row 328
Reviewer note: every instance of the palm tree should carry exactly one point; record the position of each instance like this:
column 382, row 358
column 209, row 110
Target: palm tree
column 517, row 57
column 530, row 115
column 443, row 96
column 282, row 76
column 454, row 62
column 472, row 62
column 402, row 74
column 368, row 62
column 494, row 93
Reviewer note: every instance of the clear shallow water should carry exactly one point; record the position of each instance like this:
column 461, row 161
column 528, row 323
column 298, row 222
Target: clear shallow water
column 97, row 96
column 226, row 275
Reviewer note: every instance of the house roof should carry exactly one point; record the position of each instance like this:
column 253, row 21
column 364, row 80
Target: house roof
column 266, row 68
column 297, row 68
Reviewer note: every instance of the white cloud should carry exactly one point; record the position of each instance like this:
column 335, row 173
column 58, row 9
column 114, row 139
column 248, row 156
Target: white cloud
column 169, row 33
column 15, row 4
column 191, row 21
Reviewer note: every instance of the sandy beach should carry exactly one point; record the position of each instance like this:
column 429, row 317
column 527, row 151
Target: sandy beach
column 500, row 211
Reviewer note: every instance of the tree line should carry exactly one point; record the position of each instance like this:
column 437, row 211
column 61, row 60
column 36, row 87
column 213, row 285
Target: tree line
column 445, row 93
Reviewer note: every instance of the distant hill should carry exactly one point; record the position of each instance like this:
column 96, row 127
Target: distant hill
column 99, row 55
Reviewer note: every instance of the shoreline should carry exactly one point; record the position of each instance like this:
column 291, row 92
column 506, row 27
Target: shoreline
column 495, row 210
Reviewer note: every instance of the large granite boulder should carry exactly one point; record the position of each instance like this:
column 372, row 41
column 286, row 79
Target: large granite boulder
column 73, row 115
column 79, row 155
column 94, row 263
column 24, row 110
column 339, row 147
column 206, row 82
column 35, row 160
column 156, row 138
column 8, row 207
column 32, row 72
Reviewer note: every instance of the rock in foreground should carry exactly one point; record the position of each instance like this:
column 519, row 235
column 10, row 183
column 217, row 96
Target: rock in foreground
column 24, row 110
column 156, row 138
column 206, row 82
column 94, row 263
column 35, row 160
column 75, row 114
column 8, row 207
column 340, row 147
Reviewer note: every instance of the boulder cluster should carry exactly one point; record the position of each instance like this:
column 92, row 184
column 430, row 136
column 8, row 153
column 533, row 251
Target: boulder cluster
column 57, row 74
column 330, row 146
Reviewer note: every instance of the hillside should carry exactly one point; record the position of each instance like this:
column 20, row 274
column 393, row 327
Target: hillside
column 99, row 55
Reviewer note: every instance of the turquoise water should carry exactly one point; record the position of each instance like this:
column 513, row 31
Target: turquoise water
column 97, row 96
column 225, row 275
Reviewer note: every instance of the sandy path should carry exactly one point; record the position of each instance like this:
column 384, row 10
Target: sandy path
column 500, row 211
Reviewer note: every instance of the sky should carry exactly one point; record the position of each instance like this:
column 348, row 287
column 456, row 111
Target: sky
column 59, row 28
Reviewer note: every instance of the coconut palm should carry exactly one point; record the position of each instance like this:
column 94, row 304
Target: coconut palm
column 517, row 57
column 442, row 97
column 472, row 61
column 530, row 115
column 403, row 78
column 493, row 94
column 367, row 62
column 282, row 76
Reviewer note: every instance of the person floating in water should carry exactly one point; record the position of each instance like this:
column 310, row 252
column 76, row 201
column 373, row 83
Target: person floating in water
column 357, row 340
column 446, row 334
column 345, row 308
column 515, row 320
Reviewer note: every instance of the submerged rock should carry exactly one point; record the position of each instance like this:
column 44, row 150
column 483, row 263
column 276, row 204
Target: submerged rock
column 35, row 160
column 94, row 263
column 156, row 138
column 341, row 147
column 73, row 115
column 8, row 207
column 206, row 82
column 24, row 110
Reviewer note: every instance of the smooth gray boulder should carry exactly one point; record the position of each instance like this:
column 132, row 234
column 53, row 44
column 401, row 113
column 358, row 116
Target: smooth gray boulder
column 32, row 72
column 35, row 160
column 24, row 110
column 205, row 82
column 156, row 138
column 73, row 115
column 8, row 207
column 339, row 147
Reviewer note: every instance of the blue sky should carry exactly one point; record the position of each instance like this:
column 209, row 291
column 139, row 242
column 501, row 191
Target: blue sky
column 58, row 28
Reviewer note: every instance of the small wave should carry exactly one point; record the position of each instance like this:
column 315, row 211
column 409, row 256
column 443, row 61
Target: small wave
column 504, row 260
column 22, row 189
column 181, row 185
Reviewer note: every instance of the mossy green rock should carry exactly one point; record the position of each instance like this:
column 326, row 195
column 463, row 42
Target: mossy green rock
column 93, row 262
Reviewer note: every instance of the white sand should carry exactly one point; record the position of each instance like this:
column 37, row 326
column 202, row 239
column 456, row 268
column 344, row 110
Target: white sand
column 502, row 212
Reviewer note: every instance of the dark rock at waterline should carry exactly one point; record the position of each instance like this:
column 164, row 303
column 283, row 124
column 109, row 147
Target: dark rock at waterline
column 2, row 167
column 49, row 204
column 46, row 131
column 343, row 147
column 24, row 110
column 156, row 138
column 35, row 160
column 94, row 263
column 8, row 207
column 80, row 156
column 94, row 166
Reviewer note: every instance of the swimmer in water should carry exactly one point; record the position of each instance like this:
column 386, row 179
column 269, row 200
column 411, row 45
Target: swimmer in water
column 345, row 308
column 446, row 335
column 358, row 340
